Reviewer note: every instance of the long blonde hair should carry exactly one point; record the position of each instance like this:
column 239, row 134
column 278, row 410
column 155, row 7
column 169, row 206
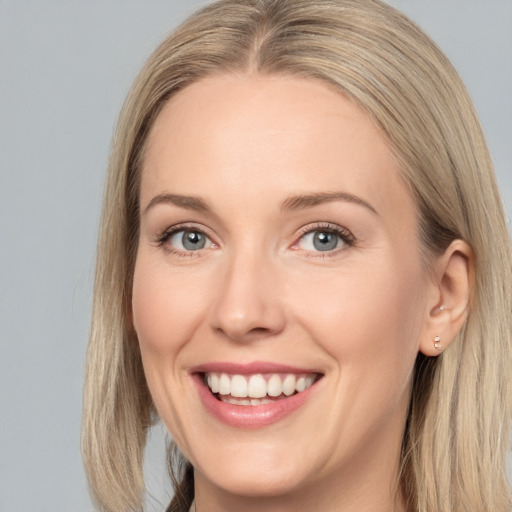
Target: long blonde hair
column 457, row 433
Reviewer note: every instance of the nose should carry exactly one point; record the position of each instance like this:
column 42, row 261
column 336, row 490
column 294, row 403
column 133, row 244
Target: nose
column 248, row 305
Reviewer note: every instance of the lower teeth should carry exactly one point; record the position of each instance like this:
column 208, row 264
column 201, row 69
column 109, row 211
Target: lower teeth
column 228, row 399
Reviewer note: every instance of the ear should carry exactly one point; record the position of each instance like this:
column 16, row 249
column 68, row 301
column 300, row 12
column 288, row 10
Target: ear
column 449, row 301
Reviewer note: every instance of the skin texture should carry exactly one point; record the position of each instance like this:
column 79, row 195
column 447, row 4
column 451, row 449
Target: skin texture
column 259, row 290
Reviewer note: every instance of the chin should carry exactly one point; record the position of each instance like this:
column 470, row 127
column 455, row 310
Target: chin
column 255, row 481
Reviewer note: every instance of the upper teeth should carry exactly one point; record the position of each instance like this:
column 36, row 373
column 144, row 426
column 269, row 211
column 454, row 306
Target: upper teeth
column 258, row 385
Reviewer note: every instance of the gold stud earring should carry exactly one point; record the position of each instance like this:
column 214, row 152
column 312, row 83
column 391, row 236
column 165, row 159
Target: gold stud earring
column 437, row 343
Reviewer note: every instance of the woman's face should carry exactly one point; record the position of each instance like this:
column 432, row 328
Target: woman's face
column 278, row 255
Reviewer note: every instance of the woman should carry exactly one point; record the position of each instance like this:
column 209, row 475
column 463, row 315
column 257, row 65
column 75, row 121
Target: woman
column 303, row 270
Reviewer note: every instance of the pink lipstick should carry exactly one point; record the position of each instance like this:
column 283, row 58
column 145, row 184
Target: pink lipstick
column 253, row 395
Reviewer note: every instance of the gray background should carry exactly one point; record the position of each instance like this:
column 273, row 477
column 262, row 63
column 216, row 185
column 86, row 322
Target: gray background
column 65, row 67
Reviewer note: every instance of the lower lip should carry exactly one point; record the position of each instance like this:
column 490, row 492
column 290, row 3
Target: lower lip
column 250, row 416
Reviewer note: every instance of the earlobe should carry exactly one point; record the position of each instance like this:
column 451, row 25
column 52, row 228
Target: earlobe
column 452, row 285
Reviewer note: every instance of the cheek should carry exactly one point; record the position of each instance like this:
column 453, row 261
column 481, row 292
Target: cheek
column 166, row 307
column 369, row 320
column 363, row 302
column 165, row 314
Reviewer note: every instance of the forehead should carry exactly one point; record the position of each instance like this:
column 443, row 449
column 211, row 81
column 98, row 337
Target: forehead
column 272, row 136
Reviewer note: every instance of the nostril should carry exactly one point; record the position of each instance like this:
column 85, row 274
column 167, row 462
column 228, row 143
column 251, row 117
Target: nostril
column 247, row 307
column 259, row 330
column 241, row 334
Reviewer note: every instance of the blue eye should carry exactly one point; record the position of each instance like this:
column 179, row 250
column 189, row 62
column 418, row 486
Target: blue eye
column 321, row 241
column 189, row 240
column 324, row 239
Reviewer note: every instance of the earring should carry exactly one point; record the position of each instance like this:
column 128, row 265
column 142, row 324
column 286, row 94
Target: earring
column 437, row 343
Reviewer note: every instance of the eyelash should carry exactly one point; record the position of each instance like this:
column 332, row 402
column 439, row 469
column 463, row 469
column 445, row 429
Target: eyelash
column 344, row 234
column 168, row 233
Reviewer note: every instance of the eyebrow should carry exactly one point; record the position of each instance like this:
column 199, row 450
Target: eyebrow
column 187, row 202
column 310, row 200
column 291, row 203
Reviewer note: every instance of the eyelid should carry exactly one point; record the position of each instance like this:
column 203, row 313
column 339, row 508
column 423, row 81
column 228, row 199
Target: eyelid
column 342, row 232
column 162, row 237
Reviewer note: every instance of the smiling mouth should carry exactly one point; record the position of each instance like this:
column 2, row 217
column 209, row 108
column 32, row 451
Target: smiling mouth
column 257, row 389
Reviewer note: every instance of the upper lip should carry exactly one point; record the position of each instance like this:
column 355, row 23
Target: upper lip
column 249, row 368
